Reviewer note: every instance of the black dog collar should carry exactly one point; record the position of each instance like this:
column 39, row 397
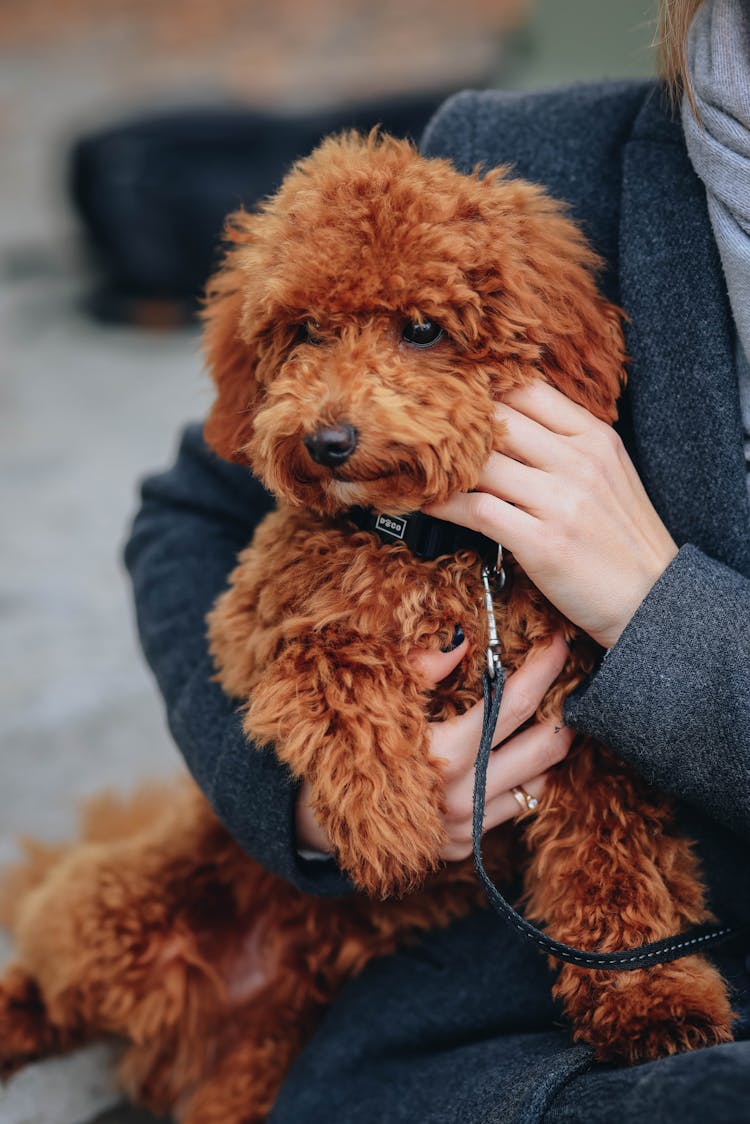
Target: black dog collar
column 427, row 537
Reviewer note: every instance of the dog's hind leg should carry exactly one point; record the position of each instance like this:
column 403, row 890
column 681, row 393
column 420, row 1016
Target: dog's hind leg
column 29, row 1031
column 110, row 941
column 607, row 873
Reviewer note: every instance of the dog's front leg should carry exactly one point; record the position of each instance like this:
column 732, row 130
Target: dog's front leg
column 606, row 874
column 344, row 714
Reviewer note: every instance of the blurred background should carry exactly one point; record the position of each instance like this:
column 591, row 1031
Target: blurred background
column 127, row 129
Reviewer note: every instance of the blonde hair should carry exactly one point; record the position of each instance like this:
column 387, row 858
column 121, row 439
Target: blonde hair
column 671, row 37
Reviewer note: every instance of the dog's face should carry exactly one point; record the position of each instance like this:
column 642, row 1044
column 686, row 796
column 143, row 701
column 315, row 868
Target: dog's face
column 370, row 313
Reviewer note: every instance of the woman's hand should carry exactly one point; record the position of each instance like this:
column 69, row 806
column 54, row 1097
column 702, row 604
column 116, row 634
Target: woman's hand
column 522, row 761
column 563, row 496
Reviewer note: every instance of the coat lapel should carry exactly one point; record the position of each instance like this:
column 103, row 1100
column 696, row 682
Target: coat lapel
column 683, row 391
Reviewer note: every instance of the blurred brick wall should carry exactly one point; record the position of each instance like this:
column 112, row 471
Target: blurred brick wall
column 281, row 51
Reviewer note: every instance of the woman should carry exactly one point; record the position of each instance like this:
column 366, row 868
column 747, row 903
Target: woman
column 461, row 1027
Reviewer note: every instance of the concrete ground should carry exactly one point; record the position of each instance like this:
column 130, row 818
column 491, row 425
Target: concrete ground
column 85, row 411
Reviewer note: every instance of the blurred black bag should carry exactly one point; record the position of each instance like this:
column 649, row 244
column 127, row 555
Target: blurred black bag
column 153, row 192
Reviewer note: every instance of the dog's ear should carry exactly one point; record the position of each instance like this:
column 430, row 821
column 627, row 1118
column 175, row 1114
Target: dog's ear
column 230, row 345
column 544, row 288
column 231, row 363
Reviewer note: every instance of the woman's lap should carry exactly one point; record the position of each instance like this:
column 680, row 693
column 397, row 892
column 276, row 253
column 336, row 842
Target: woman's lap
column 472, row 1085
column 460, row 1029
column 705, row 1087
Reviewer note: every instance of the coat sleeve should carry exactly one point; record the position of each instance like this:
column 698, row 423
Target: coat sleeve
column 672, row 697
column 193, row 520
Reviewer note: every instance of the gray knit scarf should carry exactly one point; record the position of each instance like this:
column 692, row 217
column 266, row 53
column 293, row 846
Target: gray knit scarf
column 718, row 141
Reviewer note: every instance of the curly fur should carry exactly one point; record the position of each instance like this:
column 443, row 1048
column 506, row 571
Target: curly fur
column 158, row 928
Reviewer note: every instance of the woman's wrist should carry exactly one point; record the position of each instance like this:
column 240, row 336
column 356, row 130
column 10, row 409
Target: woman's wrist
column 638, row 590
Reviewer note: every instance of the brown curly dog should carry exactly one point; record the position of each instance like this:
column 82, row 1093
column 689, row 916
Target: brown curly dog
column 359, row 331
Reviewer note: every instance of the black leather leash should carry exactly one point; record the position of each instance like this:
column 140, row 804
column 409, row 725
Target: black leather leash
column 624, row 960
column 694, row 940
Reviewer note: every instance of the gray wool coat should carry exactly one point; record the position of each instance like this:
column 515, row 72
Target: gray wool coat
column 461, row 1027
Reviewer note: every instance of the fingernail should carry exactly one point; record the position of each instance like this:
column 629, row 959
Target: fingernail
column 458, row 638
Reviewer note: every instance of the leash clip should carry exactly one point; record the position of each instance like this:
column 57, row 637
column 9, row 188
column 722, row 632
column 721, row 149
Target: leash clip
column 492, row 577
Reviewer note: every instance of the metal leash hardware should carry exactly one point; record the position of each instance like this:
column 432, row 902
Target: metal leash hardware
column 624, row 960
column 494, row 577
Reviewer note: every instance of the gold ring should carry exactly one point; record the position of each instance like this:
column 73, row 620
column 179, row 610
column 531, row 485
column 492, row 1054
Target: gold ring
column 524, row 799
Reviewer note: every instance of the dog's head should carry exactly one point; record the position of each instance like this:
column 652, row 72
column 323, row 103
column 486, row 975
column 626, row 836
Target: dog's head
column 368, row 315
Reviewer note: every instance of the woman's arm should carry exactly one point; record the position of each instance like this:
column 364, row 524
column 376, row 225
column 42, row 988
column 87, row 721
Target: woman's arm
column 672, row 694
column 185, row 538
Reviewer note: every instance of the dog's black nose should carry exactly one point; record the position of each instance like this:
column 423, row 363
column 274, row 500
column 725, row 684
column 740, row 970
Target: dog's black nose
column 332, row 444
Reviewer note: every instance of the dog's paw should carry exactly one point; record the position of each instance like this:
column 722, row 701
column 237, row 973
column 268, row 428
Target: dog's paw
column 390, row 853
column 389, row 875
column 640, row 1016
column 26, row 1034
column 381, row 811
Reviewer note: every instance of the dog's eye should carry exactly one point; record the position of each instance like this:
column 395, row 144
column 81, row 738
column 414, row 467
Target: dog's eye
column 309, row 332
column 422, row 334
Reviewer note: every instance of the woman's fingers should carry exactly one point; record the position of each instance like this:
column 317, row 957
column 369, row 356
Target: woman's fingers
column 500, row 809
column 533, row 751
column 523, row 757
column 525, row 688
column 456, row 740
column 551, row 409
column 494, row 517
column 522, row 760
column 526, row 440
column 514, row 482
column 434, row 666
column 505, row 806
